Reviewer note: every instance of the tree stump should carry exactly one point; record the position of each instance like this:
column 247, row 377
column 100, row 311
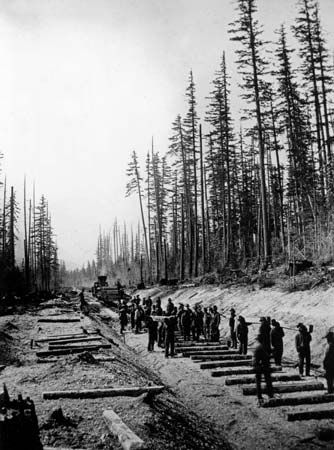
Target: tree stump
column 18, row 424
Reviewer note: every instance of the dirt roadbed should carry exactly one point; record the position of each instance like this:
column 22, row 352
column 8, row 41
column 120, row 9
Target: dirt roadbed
column 162, row 421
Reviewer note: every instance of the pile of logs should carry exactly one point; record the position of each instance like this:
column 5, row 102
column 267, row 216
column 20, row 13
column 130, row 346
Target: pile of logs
column 18, row 424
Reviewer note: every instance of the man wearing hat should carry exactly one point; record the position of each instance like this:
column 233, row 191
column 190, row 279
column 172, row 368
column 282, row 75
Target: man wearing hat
column 261, row 364
column 264, row 331
column 233, row 333
column 329, row 362
column 303, row 339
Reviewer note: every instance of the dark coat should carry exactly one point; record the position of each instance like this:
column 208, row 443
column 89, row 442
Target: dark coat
column 329, row 359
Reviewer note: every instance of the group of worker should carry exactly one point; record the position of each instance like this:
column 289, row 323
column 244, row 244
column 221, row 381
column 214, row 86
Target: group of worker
column 192, row 323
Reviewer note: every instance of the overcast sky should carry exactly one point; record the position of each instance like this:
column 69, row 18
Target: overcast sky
column 85, row 82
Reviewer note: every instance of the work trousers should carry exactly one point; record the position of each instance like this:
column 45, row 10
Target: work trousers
column 243, row 346
column 233, row 336
column 278, row 353
column 169, row 345
column 267, row 378
column 330, row 382
column 304, row 356
column 151, row 341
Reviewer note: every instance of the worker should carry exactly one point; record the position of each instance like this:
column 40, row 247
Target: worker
column 242, row 335
column 179, row 317
column 329, row 362
column 169, row 307
column 233, row 334
column 123, row 318
column 170, row 326
column 206, row 323
column 276, row 339
column 261, row 364
column 152, row 333
column 186, row 323
column 264, row 331
column 302, row 340
column 215, row 322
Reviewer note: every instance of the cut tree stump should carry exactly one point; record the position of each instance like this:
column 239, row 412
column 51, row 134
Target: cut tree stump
column 251, row 379
column 68, row 351
column 294, row 401
column 287, row 388
column 239, row 371
column 128, row 439
column 60, row 320
column 99, row 393
column 221, row 357
column 311, row 415
column 216, row 364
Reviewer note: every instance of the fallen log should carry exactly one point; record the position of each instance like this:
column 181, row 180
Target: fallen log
column 216, row 364
column 311, row 415
column 60, row 320
column 197, row 358
column 68, row 351
column 99, row 393
column 294, row 401
column 287, row 388
column 251, row 379
column 240, row 371
column 128, row 439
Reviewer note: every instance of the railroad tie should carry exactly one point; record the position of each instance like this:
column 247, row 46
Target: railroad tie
column 287, row 388
column 251, row 379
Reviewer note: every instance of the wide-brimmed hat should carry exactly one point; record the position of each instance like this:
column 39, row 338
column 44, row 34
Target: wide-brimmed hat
column 300, row 325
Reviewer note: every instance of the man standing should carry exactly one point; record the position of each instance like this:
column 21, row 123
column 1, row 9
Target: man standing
column 242, row 335
column 303, row 339
column 82, row 300
column 233, row 334
column 264, row 331
column 261, row 364
column 152, row 333
column 329, row 362
column 169, row 307
column 186, row 323
column 276, row 337
column 206, row 324
column 215, row 322
column 123, row 318
column 170, row 325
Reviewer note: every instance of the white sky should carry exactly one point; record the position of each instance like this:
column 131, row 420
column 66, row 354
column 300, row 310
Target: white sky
column 84, row 82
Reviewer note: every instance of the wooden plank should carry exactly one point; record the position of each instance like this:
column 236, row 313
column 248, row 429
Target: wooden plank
column 197, row 344
column 287, row 388
column 99, row 393
column 74, row 338
column 57, row 337
column 251, row 379
column 197, row 358
column 74, row 341
column 97, row 358
column 216, row 364
column 239, row 371
column 128, row 439
column 80, row 345
column 209, row 352
column 311, row 415
column 294, row 401
column 68, row 351
column 189, row 349
column 60, row 320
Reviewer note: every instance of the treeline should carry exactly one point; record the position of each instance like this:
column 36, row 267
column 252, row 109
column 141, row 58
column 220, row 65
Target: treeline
column 38, row 270
column 247, row 194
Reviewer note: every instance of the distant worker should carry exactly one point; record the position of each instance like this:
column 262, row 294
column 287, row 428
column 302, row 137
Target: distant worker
column 169, row 307
column 206, row 323
column 82, row 300
column 186, row 323
column 261, row 364
column 329, row 362
column 242, row 335
column 123, row 318
column 303, row 339
column 152, row 333
column 233, row 334
column 276, row 338
column 264, row 331
column 170, row 326
column 215, row 322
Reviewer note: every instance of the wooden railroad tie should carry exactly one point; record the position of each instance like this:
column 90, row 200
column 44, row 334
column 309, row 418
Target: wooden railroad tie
column 197, row 358
column 99, row 393
column 294, row 401
column 311, row 415
column 59, row 320
column 68, row 351
column 190, row 349
column 287, row 388
column 188, row 353
column 216, row 364
column 239, row 371
column 251, row 379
